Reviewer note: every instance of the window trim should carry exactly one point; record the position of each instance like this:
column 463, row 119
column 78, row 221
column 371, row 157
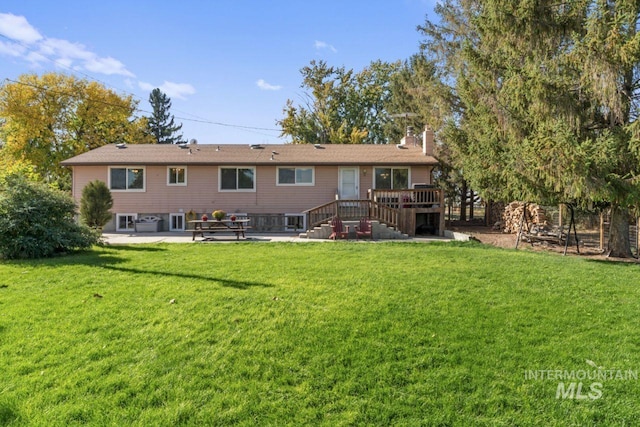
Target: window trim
column 177, row 184
column 287, row 227
column 296, row 184
column 129, row 190
column 177, row 215
column 134, row 217
column 408, row 168
column 237, row 190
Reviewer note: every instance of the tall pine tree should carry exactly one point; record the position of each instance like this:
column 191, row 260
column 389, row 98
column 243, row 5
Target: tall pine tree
column 544, row 98
column 161, row 123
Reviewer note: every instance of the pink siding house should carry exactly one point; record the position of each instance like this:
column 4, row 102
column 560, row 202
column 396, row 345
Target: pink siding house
column 275, row 185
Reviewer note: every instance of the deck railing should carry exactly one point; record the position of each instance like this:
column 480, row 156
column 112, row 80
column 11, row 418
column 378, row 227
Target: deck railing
column 385, row 214
column 417, row 198
column 345, row 209
column 382, row 205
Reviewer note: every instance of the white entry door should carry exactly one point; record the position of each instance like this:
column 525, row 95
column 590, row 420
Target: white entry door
column 349, row 185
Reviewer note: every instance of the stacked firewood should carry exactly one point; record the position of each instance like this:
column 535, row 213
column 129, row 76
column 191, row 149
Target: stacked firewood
column 512, row 216
column 494, row 214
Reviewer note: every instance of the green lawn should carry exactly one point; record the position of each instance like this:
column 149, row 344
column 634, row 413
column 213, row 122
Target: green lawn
column 317, row 334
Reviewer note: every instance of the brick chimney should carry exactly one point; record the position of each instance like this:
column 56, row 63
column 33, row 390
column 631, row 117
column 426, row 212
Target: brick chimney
column 428, row 141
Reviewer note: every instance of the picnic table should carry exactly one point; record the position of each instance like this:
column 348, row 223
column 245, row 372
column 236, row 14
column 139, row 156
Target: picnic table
column 237, row 226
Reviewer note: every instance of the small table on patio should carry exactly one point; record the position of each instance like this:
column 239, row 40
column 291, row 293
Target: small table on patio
column 237, row 226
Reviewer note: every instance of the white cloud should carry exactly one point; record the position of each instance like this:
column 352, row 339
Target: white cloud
column 171, row 89
column 11, row 49
column 27, row 43
column 266, row 86
column 146, row 86
column 59, row 48
column 319, row 45
column 107, row 66
column 63, row 53
column 75, row 55
column 130, row 83
column 18, row 29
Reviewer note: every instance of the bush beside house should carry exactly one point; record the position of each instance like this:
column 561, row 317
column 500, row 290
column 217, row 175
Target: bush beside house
column 95, row 204
column 37, row 221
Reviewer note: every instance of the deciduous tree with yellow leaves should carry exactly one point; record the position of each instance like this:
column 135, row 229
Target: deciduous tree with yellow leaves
column 47, row 118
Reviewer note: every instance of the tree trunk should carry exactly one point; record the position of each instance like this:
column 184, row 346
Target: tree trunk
column 472, row 201
column 463, row 201
column 619, row 242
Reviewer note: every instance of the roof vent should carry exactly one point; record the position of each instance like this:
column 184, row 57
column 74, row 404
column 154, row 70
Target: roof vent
column 183, row 145
column 401, row 146
column 256, row 147
column 121, row 145
column 318, row 147
column 193, row 141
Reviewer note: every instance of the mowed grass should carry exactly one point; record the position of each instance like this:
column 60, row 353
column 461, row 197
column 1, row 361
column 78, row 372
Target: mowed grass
column 314, row 334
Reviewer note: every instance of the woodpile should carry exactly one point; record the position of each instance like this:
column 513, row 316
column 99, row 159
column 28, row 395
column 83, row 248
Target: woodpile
column 494, row 214
column 512, row 217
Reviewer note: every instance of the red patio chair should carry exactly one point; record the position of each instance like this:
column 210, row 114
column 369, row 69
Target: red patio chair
column 364, row 229
column 338, row 229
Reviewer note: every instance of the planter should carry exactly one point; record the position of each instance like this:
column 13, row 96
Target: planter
column 148, row 224
column 219, row 215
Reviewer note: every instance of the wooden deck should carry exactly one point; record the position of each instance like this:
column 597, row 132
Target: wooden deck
column 402, row 209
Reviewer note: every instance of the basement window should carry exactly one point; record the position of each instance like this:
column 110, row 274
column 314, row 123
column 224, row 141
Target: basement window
column 176, row 222
column 294, row 222
column 126, row 221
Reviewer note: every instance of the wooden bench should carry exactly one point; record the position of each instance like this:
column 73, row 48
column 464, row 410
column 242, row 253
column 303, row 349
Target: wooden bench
column 225, row 226
column 212, row 230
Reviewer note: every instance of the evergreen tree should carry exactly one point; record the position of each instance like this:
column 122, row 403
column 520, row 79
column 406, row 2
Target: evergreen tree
column 161, row 123
column 543, row 100
column 95, row 204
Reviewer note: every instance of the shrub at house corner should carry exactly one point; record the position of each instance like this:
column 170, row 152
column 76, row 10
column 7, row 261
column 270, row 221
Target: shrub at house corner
column 95, row 204
column 37, row 222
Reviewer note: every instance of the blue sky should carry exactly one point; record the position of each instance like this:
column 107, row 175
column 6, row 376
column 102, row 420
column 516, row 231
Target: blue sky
column 228, row 66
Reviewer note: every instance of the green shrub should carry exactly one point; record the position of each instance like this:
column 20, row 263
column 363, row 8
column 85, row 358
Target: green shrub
column 95, row 204
column 37, row 221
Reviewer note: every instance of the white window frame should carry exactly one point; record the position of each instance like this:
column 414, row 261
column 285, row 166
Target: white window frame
column 177, row 184
column 130, row 190
column 181, row 217
column 408, row 168
column 288, row 227
column 295, row 168
column 134, row 217
column 237, row 190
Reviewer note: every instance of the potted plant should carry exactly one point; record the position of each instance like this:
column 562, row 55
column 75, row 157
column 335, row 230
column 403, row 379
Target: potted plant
column 219, row 215
column 232, row 217
column 205, row 217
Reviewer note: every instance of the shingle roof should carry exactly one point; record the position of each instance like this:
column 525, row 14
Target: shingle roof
column 233, row 154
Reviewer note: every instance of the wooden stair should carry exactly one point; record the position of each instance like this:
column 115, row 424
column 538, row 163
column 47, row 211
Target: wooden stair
column 380, row 231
